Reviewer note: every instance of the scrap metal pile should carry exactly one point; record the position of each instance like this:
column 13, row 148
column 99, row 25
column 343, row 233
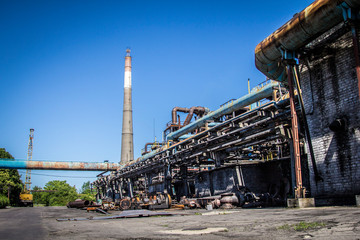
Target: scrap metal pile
column 184, row 171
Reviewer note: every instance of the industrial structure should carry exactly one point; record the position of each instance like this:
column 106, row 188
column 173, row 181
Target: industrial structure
column 321, row 44
column 26, row 198
column 296, row 135
column 127, row 143
column 222, row 152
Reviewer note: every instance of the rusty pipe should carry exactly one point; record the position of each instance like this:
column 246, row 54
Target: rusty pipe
column 79, row 204
column 47, row 165
column 197, row 110
column 306, row 126
column 150, row 144
column 146, row 146
column 304, row 27
column 174, row 113
column 189, row 116
column 295, row 136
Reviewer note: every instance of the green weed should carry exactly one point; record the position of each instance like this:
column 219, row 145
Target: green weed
column 302, row 226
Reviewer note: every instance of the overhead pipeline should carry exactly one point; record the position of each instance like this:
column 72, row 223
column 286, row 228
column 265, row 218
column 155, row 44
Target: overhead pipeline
column 165, row 148
column 264, row 92
column 47, row 165
column 304, row 27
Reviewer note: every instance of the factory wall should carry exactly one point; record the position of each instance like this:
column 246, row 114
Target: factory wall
column 157, row 188
column 330, row 92
column 258, row 178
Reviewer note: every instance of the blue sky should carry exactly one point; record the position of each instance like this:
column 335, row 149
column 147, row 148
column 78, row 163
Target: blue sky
column 62, row 68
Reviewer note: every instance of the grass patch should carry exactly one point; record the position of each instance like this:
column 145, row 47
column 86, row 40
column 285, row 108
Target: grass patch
column 197, row 213
column 39, row 205
column 284, row 227
column 302, row 226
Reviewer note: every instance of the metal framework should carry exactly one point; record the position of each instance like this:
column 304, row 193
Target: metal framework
column 27, row 186
column 236, row 138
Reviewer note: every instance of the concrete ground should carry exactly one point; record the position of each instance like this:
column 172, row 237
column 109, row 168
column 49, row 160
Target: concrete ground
column 262, row 223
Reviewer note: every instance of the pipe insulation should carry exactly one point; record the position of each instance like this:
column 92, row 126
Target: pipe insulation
column 317, row 18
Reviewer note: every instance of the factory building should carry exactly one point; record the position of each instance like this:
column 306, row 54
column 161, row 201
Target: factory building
column 322, row 43
column 331, row 98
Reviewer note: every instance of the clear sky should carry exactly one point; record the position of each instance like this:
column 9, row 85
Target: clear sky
column 62, row 68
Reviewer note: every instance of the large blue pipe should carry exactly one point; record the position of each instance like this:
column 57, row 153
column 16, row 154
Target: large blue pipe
column 254, row 96
column 304, row 27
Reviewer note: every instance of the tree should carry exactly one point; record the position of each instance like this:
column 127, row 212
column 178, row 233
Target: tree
column 38, row 197
column 4, row 201
column 86, row 193
column 63, row 194
column 10, row 180
column 86, row 188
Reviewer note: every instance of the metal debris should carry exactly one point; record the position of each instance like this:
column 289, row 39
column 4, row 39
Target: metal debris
column 124, row 214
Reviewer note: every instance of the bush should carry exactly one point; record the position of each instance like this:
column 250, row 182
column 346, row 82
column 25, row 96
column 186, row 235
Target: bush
column 4, row 201
column 63, row 193
column 88, row 197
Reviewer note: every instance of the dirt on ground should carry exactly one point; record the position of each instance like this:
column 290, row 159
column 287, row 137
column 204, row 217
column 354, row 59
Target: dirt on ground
column 261, row 223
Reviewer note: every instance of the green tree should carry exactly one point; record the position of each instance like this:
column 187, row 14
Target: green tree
column 38, row 197
column 63, row 194
column 10, row 180
column 4, row 201
column 86, row 193
column 86, row 188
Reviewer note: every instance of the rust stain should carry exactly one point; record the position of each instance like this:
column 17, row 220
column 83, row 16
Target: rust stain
column 86, row 166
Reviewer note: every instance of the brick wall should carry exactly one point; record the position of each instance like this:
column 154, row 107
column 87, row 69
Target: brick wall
column 330, row 91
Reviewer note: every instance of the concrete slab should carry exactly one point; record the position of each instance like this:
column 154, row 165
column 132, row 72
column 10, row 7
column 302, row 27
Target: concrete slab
column 258, row 223
column 195, row 231
column 306, row 202
column 301, row 202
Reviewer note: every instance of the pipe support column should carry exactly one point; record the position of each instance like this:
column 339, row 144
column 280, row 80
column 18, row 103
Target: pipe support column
column 299, row 190
column 127, row 145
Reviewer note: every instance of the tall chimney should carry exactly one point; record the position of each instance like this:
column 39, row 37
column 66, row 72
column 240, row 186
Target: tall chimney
column 127, row 145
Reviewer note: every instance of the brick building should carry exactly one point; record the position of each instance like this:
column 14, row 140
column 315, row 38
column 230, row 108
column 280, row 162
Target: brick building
column 330, row 91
